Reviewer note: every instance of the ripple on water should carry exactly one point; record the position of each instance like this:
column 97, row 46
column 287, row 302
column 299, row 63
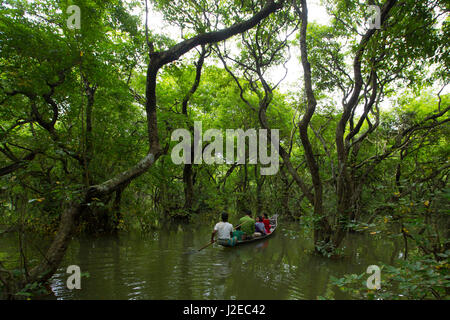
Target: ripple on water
column 158, row 267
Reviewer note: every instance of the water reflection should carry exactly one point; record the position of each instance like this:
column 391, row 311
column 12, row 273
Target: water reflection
column 165, row 265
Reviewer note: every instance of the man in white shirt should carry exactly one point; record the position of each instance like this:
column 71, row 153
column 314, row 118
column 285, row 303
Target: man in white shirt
column 224, row 231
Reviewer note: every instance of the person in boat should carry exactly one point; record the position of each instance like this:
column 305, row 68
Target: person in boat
column 239, row 234
column 259, row 227
column 224, row 231
column 266, row 222
column 247, row 224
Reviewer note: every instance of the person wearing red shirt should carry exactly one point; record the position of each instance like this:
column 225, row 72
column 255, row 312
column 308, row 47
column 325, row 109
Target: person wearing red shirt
column 266, row 222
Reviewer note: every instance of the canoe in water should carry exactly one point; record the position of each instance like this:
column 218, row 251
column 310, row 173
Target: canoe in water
column 273, row 227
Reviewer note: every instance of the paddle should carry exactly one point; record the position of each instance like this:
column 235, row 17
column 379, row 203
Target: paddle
column 205, row 246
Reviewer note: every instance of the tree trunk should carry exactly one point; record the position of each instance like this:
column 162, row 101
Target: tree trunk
column 322, row 228
column 57, row 249
column 188, row 187
column 259, row 185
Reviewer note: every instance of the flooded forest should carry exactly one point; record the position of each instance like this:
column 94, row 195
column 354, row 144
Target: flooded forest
column 138, row 137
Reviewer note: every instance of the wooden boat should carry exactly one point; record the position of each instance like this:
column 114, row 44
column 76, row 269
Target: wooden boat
column 273, row 227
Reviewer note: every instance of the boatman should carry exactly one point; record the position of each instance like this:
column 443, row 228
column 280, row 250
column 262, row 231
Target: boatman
column 224, row 231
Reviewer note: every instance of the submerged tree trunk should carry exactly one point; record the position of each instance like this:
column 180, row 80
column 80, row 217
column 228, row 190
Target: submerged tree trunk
column 116, row 210
column 322, row 228
column 57, row 249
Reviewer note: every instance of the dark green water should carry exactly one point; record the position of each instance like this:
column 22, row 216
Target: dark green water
column 161, row 265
